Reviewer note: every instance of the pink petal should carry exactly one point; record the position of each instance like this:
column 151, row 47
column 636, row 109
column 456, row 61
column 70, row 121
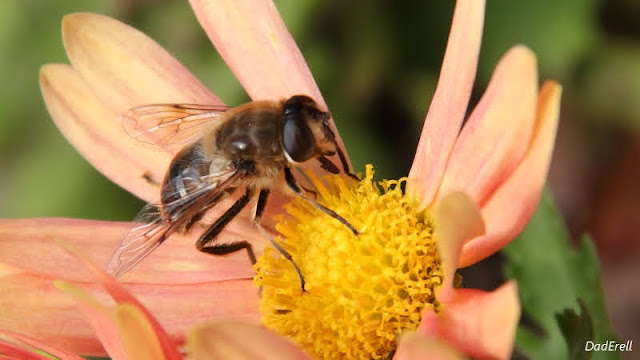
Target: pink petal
column 457, row 219
column 234, row 340
column 115, row 67
column 124, row 67
column 102, row 321
column 97, row 133
column 141, row 337
column 29, row 246
column 53, row 317
column 511, row 206
column 481, row 324
column 35, row 344
column 450, row 100
column 498, row 132
column 15, row 352
column 179, row 307
column 32, row 306
column 143, row 321
column 255, row 43
column 30, row 260
column 415, row 346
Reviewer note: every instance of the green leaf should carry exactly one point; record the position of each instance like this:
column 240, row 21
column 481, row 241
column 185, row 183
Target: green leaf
column 552, row 276
column 577, row 329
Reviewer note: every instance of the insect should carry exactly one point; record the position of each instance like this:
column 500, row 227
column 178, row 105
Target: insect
column 244, row 149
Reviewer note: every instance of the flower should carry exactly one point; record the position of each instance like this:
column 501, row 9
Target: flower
column 114, row 67
column 362, row 291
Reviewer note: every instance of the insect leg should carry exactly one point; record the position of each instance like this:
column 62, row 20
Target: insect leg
column 306, row 189
column 328, row 165
column 262, row 203
column 213, row 231
column 291, row 182
column 345, row 164
column 199, row 215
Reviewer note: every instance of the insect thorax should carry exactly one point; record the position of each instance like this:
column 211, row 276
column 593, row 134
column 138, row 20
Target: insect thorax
column 251, row 134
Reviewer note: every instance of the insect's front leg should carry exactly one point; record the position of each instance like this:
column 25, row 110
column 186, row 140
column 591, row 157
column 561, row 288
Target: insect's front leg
column 293, row 185
column 345, row 164
column 205, row 245
column 261, row 204
column 329, row 166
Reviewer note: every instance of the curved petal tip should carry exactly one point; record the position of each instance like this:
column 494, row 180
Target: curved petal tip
column 513, row 203
column 457, row 219
column 481, row 324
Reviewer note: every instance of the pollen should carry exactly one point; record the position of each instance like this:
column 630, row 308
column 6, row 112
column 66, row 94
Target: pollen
column 362, row 291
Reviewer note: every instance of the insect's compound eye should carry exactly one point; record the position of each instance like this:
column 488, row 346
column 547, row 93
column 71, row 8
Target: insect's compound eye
column 298, row 139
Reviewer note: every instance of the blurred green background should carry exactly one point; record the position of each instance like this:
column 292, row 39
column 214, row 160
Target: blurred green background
column 377, row 64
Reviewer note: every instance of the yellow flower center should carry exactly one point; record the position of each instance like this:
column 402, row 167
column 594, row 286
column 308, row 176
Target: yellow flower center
column 361, row 291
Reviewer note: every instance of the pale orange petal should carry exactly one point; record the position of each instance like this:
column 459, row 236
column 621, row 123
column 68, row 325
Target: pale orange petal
column 29, row 246
column 511, row 206
column 27, row 343
column 450, row 100
column 15, row 352
column 101, row 318
column 481, row 324
column 457, row 219
column 414, row 346
column 30, row 260
column 33, row 306
column 235, row 340
column 98, row 135
column 254, row 41
column 179, row 307
column 140, row 336
column 11, row 351
column 498, row 132
column 152, row 337
column 126, row 68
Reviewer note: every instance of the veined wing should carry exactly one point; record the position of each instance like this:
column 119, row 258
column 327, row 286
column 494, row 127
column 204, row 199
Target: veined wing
column 165, row 124
column 154, row 227
column 151, row 231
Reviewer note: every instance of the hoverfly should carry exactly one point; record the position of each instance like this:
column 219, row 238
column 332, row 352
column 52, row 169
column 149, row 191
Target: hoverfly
column 246, row 148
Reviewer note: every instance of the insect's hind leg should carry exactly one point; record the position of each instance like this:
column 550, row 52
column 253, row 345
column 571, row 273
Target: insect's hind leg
column 205, row 245
column 262, row 203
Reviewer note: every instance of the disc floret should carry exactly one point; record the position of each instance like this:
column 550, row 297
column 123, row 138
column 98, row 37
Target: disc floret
column 362, row 291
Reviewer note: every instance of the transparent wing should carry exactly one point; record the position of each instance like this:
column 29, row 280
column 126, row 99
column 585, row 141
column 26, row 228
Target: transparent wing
column 140, row 241
column 165, row 124
column 153, row 228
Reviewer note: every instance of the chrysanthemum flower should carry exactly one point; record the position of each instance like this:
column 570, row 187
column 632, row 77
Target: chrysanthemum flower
column 493, row 169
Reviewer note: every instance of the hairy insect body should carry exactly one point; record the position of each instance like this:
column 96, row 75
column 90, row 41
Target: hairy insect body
column 253, row 134
column 248, row 141
column 248, row 149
